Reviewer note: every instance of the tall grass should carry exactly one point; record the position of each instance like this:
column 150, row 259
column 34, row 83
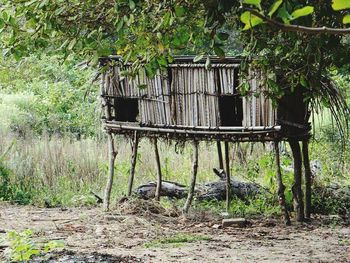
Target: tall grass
column 60, row 170
column 53, row 171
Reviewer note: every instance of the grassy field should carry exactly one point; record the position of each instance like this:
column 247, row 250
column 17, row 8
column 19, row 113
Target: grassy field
column 61, row 171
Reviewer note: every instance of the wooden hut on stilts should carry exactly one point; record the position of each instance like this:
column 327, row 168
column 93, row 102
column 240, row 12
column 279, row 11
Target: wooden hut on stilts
column 189, row 102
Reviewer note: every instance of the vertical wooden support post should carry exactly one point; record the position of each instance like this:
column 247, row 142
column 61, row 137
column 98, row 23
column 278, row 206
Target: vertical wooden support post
column 307, row 175
column 159, row 170
column 281, row 187
column 135, row 145
column 228, row 177
column 194, row 177
column 296, row 188
column 112, row 155
column 221, row 161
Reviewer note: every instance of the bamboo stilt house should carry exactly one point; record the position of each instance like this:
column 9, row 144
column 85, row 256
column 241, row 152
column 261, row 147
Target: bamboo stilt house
column 187, row 101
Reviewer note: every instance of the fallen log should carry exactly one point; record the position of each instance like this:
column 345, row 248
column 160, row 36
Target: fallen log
column 203, row 192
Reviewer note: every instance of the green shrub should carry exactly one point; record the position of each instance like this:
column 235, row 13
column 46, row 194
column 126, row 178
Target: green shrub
column 43, row 95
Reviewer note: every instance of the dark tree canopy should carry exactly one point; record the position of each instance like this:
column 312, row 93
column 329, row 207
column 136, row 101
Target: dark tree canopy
column 296, row 43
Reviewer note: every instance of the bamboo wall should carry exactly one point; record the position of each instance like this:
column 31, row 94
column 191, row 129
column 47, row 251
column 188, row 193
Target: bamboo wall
column 186, row 95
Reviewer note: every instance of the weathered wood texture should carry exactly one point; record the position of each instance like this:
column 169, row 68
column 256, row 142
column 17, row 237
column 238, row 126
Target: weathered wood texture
column 209, row 191
column 187, row 94
column 281, row 188
column 194, row 177
column 159, row 170
column 135, row 146
column 307, row 175
column 112, row 155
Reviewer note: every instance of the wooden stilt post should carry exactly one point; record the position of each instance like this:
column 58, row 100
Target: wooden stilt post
column 296, row 189
column 194, row 177
column 281, row 187
column 159, row 170
column 228, row 179
column 112, row 155
column 221, row 161
column 135, row 145
column 307, row 174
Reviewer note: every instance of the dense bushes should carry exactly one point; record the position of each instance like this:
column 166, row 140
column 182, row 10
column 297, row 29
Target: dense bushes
column 43, row 95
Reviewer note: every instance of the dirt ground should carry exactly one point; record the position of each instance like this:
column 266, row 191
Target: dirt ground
column 116, row 237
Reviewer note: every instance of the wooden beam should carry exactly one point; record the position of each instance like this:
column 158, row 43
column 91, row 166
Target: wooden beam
column 112, row 155
column 296, row 188
column 194, row 177
column 221, row 161
column 135, row 145
column 159, row 170
column 281, row 187
column 228, row 179
column 307, row 169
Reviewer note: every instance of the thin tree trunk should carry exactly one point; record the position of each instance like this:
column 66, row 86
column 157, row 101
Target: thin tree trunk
column 296, row 188
column 281, row 187
column 228, row 179
column 159, row 170
column 221, row 161
column 194, row 177
column 112, row 155
column 307, row 169
column 135, row 146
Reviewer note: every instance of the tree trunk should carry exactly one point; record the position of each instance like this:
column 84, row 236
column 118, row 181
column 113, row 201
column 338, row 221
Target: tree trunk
column 194, row 177
column 112, row 155
column 307, row 169
column 228, row 179
column 296, row 188
column 135, row 146
column 221, row 162
column 159, row 170
column 281, row 187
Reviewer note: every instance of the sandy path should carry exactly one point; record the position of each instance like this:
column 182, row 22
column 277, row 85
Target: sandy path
column 90, row 230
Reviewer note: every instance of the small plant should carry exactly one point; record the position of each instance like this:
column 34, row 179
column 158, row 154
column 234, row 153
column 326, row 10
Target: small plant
column 23, row 249
column 176, row 240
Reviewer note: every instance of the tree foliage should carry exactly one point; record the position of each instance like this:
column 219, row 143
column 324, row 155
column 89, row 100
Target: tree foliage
column 296, row 39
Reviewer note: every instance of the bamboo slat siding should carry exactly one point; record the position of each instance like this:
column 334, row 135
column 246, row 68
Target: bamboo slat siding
column 257, row 109
column 186, row 95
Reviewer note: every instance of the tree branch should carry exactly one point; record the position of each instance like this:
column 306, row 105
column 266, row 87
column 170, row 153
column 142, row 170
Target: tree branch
column 297, row 28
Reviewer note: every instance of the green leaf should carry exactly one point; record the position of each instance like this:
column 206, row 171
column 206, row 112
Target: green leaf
column 223, row 36
column 346, row 19
column 2, row 23
column 274, row 7
column 305, row 11
column 162, row 61
column 5, row 15
column 120, row 24
column 198, row 58
column 179, row 11
column 284, row 15
column 253, row 2
column 250, row 20
column 303, row 82
column 72, row 44
column 340, row 4
column 132, row 4
column 30, row 3
column 219, row 51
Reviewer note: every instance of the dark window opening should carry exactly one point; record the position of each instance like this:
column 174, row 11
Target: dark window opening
column 126, row 109
column 231, row 110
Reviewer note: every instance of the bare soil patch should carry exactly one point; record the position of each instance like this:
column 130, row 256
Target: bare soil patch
column 91, row 235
